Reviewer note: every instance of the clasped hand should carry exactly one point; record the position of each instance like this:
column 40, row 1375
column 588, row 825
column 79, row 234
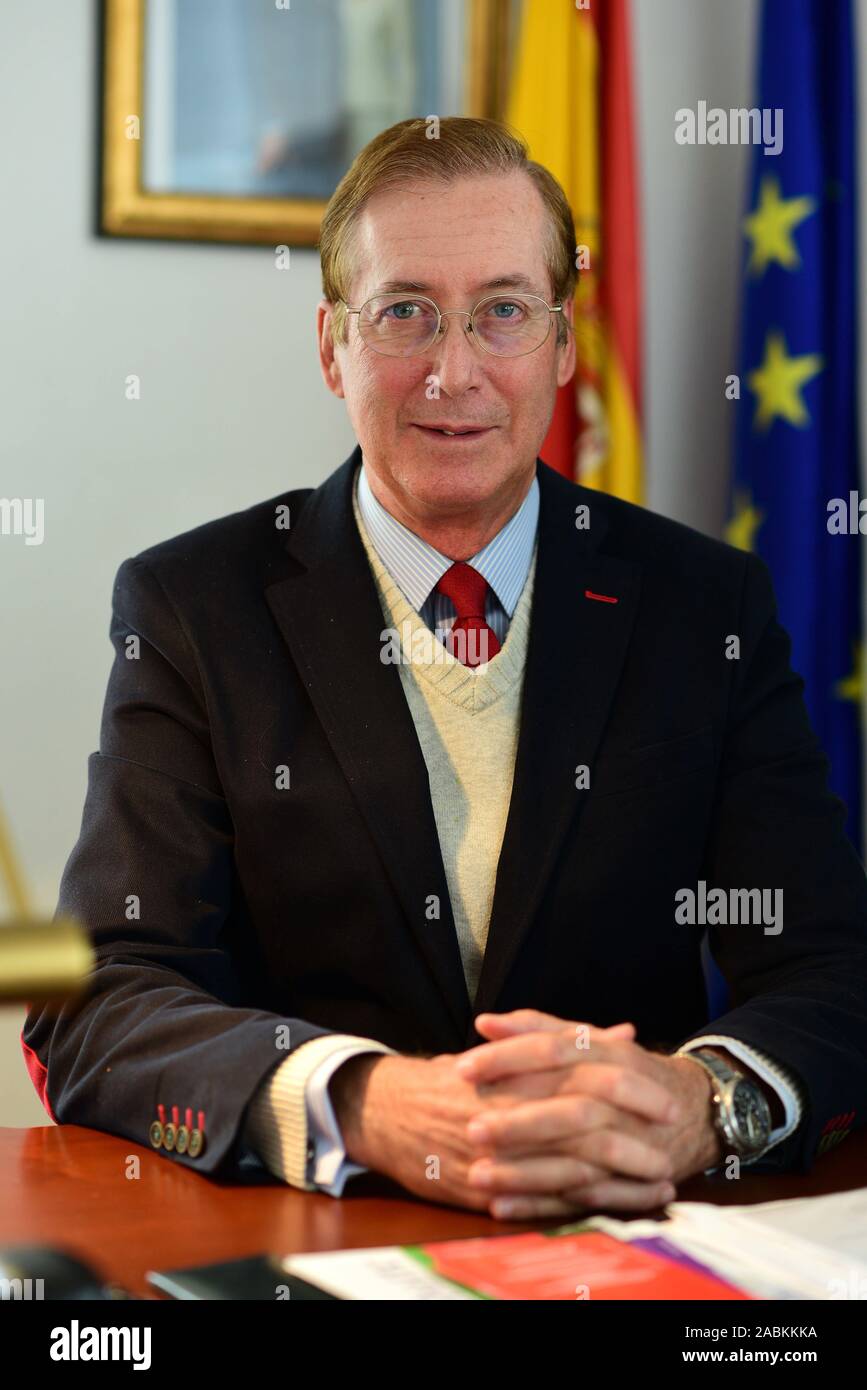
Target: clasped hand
column 575, row 1117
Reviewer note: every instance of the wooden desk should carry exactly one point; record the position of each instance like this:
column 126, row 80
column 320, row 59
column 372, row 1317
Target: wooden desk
column 67, row 1186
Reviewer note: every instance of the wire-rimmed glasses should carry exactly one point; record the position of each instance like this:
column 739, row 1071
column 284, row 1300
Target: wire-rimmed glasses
column 507, row 325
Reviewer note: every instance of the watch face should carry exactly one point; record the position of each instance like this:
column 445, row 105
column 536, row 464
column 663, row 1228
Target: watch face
column 751, row 1116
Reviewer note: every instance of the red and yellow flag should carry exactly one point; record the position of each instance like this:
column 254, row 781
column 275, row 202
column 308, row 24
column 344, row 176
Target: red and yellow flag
column 571, row 99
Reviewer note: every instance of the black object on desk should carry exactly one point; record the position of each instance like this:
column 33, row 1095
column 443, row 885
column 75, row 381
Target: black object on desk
column 258, row 1277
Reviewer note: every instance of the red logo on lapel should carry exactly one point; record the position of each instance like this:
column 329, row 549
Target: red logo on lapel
column 600, row 598
column 835, row 1131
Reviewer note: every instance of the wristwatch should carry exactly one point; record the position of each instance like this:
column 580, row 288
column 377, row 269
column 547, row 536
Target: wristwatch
column 742, row 1116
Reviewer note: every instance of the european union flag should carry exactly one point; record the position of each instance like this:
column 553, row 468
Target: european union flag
column 797, row 433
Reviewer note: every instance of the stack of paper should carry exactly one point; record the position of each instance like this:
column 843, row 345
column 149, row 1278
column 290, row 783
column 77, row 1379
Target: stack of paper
column 811, row 1247
column 580, row 1264
column 805, row 1247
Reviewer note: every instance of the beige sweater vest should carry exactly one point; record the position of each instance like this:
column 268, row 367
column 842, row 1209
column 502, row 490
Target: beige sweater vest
column 467, row 724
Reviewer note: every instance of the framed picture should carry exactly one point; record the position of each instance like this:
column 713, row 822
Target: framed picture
column 234, row 120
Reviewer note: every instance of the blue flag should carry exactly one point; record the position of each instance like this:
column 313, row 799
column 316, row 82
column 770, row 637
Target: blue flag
column 797, row 433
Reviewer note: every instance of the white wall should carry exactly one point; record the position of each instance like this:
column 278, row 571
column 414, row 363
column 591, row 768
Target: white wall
column 685, row 51
column 233, row 409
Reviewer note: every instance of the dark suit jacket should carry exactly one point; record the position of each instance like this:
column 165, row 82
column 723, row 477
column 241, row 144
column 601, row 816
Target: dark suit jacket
column 260, row 649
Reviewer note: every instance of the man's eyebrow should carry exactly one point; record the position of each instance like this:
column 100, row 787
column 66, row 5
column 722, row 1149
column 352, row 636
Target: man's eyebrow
column 516, row 281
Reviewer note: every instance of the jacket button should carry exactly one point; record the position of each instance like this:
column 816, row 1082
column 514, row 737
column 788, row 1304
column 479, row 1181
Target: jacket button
column 182, row 1141
column 155, row 1134
column 169, row 1137
column 196, row 1143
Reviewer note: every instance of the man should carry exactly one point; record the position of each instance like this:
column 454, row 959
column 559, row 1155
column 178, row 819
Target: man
column 365, row 896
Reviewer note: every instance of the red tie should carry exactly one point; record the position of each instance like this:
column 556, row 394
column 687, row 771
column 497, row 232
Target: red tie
column 467, row 590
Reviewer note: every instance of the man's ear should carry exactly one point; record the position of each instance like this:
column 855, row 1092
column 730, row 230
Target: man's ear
column 328, row 362
column 566, row 352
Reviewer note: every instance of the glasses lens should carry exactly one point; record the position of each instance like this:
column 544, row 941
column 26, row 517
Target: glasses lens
column 510, row 325
column 397, row 326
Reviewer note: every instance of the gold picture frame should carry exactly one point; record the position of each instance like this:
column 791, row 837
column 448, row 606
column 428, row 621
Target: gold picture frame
column 126, row 209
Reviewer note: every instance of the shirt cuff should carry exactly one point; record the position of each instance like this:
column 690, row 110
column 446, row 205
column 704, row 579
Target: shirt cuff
column 331, row 1167
column 280, row 1127
column 787, row 1087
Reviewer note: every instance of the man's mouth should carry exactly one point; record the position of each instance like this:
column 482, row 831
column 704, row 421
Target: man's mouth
column 455, row 431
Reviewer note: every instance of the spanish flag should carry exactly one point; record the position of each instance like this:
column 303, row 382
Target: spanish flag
column 571, row 99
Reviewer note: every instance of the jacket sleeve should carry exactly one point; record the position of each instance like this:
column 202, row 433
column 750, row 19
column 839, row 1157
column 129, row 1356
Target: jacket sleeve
column 798, row 994
column 291, row 1125
column 169, row 1017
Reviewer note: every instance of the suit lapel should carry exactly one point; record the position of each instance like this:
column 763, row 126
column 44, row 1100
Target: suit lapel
column 330, row 616
column 577, row 646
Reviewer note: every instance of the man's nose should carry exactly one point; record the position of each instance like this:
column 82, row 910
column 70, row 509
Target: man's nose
column 456, row 355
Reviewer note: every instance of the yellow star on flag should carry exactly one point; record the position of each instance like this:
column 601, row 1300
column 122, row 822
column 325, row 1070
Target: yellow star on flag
column 770, row 227
column 778, row 381
column 851, row 687
column 745, row 522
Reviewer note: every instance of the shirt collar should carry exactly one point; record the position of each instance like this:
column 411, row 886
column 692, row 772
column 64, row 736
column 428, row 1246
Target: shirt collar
column 417, row 567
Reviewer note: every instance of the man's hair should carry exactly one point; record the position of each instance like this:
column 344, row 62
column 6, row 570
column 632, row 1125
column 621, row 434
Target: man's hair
column 466, row 147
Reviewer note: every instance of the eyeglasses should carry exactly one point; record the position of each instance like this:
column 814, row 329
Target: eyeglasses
column 507, row 325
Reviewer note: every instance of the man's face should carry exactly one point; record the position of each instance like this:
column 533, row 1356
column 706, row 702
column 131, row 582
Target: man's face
column 457, row 241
